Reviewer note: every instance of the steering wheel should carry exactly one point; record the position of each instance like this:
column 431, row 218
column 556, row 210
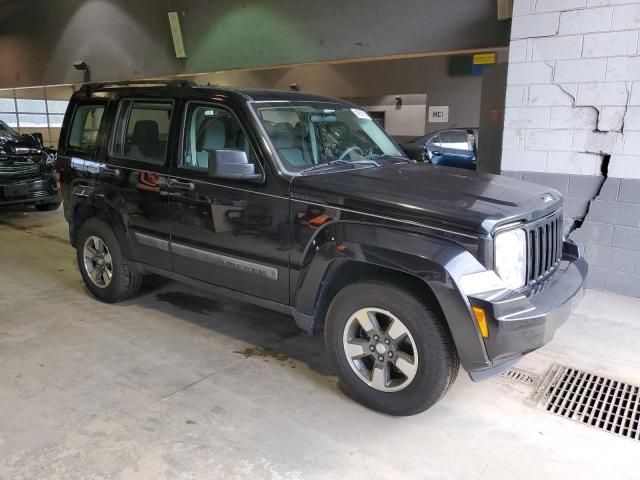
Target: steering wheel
column 352, row 148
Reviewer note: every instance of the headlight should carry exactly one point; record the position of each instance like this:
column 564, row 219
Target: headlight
column 511, row 257
column 51, row 159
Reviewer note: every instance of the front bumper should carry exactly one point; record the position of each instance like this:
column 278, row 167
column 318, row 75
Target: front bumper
column 40, row 190
column 525, row 321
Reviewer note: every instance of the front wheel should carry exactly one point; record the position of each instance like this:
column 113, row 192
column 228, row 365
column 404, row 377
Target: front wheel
column 390, row 350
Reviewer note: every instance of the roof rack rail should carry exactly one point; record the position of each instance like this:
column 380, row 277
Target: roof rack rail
column 91, row 87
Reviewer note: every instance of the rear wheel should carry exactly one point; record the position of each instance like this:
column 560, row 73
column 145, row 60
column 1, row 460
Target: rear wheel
column 104, row 268
column 390, row 349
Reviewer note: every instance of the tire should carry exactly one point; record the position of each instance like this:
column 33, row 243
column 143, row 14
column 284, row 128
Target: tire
column 122, row 282
column 47, row 207
column 427, row 343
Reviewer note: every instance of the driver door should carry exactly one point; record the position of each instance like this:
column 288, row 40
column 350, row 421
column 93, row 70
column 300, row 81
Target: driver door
column 229, row 233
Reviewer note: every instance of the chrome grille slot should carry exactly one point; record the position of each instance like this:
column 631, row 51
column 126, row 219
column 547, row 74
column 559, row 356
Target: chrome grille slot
column 18, row 166
column 544, row 247
column 38, row 194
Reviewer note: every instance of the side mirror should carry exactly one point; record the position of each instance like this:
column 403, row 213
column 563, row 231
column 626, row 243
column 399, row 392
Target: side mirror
column 38, row 137
column 232, row 165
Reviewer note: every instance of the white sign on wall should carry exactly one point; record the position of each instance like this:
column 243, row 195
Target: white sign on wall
column 439, row 114
column 406, row 119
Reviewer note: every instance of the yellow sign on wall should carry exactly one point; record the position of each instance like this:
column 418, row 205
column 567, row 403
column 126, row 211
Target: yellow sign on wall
column 484, row 58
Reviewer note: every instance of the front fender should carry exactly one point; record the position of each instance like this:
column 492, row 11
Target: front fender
column 436, row 262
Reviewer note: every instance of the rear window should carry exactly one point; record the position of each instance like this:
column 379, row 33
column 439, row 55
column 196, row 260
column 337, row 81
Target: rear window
column 84, row 127
column 142, row 130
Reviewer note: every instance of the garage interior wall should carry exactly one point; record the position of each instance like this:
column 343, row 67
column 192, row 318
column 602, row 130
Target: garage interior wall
column 376, row 83
column 572, row 122
column 122, row 39
column 405, row 116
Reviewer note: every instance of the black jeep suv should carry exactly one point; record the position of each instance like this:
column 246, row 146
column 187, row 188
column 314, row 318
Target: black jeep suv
column 27, row 171
column 304, row 205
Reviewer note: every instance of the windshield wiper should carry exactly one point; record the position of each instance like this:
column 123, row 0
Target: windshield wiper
column 381, row 156
column 332, row 163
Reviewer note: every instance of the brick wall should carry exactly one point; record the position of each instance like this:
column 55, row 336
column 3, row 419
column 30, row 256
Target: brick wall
column 572, row 122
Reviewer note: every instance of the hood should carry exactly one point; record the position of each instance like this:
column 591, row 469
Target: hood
column 23, row 145
column 431, row 195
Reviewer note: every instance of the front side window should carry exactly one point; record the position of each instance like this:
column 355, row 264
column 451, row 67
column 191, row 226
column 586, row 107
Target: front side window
column 84, row 127
column 309, row 136
column 455, row 139
column 142, row 130
column 434, row 141
column 208, row 129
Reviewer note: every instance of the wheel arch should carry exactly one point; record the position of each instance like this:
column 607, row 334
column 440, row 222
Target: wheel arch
column 103, row 203
column 424, row 265
column 343, row 273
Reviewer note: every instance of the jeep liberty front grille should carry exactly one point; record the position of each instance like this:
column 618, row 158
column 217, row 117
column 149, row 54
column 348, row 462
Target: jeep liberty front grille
column 544, row 246
column 16, row 166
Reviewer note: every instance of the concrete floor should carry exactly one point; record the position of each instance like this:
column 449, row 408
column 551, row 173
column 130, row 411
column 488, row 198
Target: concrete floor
column 178, row 384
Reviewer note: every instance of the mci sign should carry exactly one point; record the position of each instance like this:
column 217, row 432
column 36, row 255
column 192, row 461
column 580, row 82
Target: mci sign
column 438, row 114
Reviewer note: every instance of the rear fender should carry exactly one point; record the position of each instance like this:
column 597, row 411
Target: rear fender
column 102, row 201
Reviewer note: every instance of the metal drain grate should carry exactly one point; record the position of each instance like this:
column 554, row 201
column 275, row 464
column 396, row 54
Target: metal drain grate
column 601, row 402
column 518, row 375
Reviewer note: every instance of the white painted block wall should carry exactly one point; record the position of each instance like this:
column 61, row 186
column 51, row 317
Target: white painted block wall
column 573, row 88
column 573, row 100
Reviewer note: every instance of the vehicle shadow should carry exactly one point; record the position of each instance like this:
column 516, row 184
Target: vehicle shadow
column 270, row 335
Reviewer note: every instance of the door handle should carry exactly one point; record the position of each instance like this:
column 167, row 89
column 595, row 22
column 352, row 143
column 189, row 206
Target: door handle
column 110, row 171
column 177, row 184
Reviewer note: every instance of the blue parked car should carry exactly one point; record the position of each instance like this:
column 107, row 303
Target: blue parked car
column 456, row 147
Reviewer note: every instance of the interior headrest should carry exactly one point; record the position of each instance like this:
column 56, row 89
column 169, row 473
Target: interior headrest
column 213, row 136
column 284, row 140
column 145, row 131
column 282, row 136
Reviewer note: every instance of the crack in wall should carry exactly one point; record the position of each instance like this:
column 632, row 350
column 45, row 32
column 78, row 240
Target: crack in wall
column 604, row 170
column 604, row 152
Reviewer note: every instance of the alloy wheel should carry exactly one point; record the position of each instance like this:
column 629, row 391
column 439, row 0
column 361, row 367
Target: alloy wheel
column 380, row 349
column 97, row 261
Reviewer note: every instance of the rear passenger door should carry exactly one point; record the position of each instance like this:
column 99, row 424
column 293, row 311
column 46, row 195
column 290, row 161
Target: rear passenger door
column 141, row 147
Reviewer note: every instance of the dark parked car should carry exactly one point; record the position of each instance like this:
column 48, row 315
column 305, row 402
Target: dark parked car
column 27, row 171
column 304, row 205
column 456, row 147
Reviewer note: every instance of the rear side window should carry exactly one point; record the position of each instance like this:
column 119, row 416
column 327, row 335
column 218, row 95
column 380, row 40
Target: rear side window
column 142, row 130
column 84, row 127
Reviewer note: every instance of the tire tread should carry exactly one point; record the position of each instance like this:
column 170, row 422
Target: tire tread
column 413, row 399
column 125, row 283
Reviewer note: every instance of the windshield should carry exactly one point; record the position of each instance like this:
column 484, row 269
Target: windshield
column 310, row 136
column 7, row 131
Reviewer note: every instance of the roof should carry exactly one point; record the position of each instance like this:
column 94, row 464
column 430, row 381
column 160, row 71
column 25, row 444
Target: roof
column 265, row 95
column 252, row 94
